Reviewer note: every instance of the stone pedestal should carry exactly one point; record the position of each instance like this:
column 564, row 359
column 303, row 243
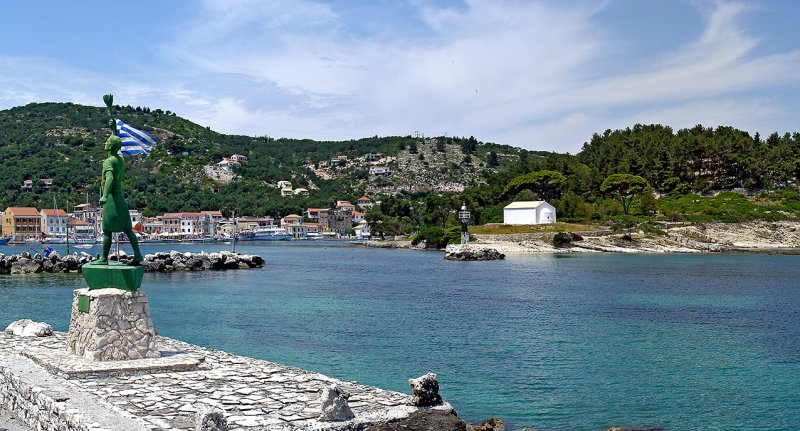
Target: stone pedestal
column 111, row 325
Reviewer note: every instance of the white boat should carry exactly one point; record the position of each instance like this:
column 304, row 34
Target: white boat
column 271, row 233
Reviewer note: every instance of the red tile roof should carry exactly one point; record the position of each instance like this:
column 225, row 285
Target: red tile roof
column 23, row 211
column 58, row 212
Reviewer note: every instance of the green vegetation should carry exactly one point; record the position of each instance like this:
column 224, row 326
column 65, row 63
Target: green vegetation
column 617, row 173
column 625, row 187
column 438, row 237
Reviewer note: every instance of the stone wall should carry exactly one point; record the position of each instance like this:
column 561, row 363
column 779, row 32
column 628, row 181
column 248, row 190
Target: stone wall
column 34, row 407
column 116, row 327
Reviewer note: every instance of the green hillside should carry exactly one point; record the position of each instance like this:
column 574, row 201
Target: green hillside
column 63, row 141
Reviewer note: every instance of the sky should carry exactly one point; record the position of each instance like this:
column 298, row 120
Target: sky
column 540, row 75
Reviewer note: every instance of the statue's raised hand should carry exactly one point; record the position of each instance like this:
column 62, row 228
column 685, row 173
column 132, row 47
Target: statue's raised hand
column 103, row 200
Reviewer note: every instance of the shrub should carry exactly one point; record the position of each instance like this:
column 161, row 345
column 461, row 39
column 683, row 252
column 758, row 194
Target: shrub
column 437, row 237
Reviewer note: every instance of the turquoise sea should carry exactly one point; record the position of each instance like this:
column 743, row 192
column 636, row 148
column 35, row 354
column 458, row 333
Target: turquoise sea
column 566, row 342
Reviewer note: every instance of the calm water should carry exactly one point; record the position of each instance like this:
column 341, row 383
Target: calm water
column 569, row 342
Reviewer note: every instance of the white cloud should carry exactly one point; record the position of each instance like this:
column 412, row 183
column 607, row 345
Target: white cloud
column 521, row 73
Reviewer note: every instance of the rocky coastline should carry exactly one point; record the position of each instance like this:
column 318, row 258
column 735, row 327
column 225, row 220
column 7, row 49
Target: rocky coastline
column 754, row 236
column 34, row 263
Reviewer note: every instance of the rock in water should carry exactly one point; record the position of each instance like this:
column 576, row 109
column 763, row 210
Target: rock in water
column 210, row 419
column 425, row 390
column 334, row 405
column 468, row 253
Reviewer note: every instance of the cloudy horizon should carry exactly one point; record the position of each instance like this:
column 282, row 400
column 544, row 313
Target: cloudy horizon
column 540, row 75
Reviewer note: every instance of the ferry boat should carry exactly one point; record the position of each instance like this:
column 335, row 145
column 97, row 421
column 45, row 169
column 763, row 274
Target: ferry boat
column 269, row 233
column 4, row 240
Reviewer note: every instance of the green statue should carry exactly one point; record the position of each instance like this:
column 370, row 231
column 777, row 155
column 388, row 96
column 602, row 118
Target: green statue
column 116, row 217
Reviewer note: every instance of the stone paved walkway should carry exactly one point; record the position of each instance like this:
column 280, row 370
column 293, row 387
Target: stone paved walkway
column 254, row 394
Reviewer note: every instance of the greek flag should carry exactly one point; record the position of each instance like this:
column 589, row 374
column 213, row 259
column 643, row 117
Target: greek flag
column 134, row 141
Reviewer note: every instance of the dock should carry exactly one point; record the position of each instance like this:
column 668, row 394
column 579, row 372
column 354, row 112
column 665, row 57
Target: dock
column 50, row 389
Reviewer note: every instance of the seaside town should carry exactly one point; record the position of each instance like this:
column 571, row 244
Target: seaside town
column 83, row 225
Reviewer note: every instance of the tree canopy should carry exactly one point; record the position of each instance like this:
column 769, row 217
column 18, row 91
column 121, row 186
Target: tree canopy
column 625, row 187
column 545, row 183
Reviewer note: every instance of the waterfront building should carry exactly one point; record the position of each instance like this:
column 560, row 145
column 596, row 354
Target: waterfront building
column 136, row 217
column 313, row 229
column 22, row 223
column 313, row 213
column 291, row 219
column 529, row 212
column 192, row 223
column 358, row 216
column 54, row 222
column 295, row 230
column 90, row 214
column 335, row 221
column 153, row 225
column 252, row 223
column 211, row 219
column 362, row 230
column 80, row 229
column 171, row 222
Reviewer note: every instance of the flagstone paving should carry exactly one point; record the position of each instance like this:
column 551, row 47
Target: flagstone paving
column 252, row 393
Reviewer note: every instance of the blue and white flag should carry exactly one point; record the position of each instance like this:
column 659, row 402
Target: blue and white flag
column 134, row 141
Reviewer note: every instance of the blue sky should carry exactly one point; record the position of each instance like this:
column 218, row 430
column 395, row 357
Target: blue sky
column 542, row 75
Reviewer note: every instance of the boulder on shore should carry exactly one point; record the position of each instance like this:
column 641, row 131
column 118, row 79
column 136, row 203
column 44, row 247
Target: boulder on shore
column 29, row 328
column 425, row 420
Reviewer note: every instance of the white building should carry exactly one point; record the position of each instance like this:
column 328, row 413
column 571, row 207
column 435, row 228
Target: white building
column 192, row 223
column 54, row 222
column 379, row 170
column 529, row 212
column 228, row 164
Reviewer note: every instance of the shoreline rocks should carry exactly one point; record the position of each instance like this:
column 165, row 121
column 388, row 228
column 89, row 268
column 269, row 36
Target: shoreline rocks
column 457, row 252
column 27, row 263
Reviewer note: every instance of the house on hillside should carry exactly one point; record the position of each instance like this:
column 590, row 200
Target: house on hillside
column 529, row 212
column 338, row 161
column 228, row 164
column 239, row 158
column 372, row 157
column 364, row 202
column 379, row 170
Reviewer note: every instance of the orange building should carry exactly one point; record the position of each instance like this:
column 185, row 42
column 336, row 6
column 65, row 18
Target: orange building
column 22, row 223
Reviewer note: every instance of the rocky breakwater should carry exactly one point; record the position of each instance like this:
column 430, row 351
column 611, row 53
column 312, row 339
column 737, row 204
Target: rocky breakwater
column 27, row 263
column 176, row 261
column 459, row 252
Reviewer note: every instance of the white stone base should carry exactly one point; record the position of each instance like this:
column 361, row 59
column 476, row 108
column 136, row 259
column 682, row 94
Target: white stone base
column 117, row 326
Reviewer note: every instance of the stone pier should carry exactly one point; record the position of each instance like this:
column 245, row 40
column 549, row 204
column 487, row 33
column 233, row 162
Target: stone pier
column 67, row 392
